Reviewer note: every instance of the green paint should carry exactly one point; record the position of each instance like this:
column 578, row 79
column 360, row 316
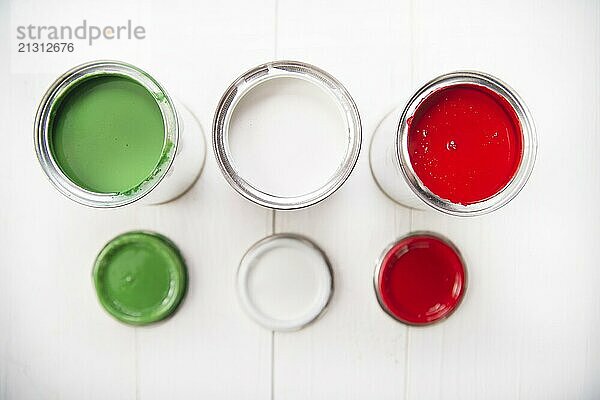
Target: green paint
column 107, row 134
column 140, row 277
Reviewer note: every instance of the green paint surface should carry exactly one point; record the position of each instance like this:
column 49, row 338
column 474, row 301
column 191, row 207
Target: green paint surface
column 140, row 277
column 107, row 134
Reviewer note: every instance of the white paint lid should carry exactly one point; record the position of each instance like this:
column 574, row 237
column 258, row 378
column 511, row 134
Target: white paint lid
column 284, row 282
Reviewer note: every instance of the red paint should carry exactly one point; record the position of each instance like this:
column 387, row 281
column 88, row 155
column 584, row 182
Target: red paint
column 465, row 143
column 421, row 279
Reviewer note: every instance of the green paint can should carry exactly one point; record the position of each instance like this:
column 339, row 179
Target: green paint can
column 107, row 134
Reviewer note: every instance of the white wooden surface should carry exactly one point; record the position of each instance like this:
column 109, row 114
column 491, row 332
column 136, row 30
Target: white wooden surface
column 529, row 327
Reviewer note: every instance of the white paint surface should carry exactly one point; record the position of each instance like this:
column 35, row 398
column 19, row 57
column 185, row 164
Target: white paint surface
column 529, row 325
column 287, row 137
column 284, row 283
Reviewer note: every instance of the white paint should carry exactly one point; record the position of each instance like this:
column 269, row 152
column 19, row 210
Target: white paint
column 284, row 283
column 287, row 137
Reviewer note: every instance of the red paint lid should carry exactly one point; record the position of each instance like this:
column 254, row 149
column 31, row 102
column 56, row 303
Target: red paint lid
column 420, row 279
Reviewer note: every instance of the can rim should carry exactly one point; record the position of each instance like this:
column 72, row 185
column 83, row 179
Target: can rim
column 517, row 182
column 264, row 320
column 247, row 82
column 44, row 115
column 379, row 264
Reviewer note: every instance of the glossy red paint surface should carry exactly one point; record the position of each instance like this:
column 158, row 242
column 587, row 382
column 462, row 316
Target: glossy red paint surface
column 465, row 143
column 421, row 279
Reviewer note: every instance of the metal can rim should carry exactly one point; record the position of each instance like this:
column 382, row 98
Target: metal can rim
column 528, row 130
column 66, row 82
column 248, row 81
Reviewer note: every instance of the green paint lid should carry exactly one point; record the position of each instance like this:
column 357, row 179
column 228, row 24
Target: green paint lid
column 140, row 277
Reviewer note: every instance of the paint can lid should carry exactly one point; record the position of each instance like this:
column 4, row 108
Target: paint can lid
column 420, row 279
column 284, row 282
column 140, row 277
